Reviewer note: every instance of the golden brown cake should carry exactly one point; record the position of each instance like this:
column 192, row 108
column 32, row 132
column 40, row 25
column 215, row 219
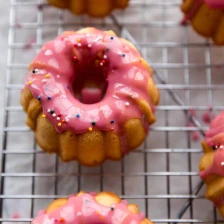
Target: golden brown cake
column 95, row 8
column 206, row 17
column 104, row 207
column 212, row 162
column 89, row 96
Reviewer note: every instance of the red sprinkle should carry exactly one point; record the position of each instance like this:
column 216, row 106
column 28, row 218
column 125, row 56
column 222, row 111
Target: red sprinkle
column 195, row 136
column 192, row 112
column 206, row 117
column 16, row 215
column 29, row 44
column 75, row 59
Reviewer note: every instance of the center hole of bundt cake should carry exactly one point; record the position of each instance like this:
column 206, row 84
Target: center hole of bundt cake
column 90, row 82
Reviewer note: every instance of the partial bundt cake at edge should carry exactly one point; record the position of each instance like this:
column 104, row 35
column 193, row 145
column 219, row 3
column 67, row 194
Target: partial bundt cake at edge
column 104, row 207
column 95, row 8
column 212, row 162
column 46, row 97
column 206, row 17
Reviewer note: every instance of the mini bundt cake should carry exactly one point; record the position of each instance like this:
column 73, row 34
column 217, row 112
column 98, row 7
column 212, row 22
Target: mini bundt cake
column 92, row 208
column 95, row 8
column 212, row 163
column 206, row 17
column 89, row 96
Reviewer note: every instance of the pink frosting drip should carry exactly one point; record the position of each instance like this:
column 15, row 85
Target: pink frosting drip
column 52, row 83
column 84, row 209
column 215, row 137
column 215, row 134
column 216, row 167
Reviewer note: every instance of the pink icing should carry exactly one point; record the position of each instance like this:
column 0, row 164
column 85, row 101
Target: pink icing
column 217, row 166
column 215, row 138
column 215, row 134
column 84, row 209
column 216, row 4
column 62, row 67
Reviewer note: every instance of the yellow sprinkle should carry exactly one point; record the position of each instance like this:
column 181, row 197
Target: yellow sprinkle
column 47, row 76
column 90, row 129
column 78, row 40
column 43, row 115
column 30, row 82
column 59, row 124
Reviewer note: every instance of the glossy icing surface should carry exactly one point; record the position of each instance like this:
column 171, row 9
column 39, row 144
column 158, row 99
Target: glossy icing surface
column 84, row 209
column 215, row 138
column 74, row 56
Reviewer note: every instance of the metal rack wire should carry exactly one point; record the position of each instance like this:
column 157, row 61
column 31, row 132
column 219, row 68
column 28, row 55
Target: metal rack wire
column 162, row 175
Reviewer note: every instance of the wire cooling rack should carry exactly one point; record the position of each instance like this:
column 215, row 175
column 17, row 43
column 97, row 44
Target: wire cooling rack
column 162, row 175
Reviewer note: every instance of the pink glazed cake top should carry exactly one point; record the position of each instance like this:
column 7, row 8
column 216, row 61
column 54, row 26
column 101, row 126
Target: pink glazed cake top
column 84, row 209
column 90, row 80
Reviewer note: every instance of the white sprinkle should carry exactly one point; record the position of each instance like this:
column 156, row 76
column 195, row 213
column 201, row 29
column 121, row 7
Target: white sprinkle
column 101, row 63
column 54, row 63
column 49, row 110
column 105, row 57
column 79, row 44
column 79, row 213
column 119, row 53
column 48, row 52
column 97, row 39
column 58, row 76
column 221, row 147
column 127, row 104
column 222, row 163
column 54, row 115
column 44, row 80
column 89, row 45
column 87, row 34
column 36, row 71
column 58, row 118
column 66, row 119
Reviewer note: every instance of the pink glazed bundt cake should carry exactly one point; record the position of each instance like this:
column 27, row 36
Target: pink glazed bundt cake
column 95, row 8
column 206, row 17
column 89, row 96
column 103, row 208
column 212, row 162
